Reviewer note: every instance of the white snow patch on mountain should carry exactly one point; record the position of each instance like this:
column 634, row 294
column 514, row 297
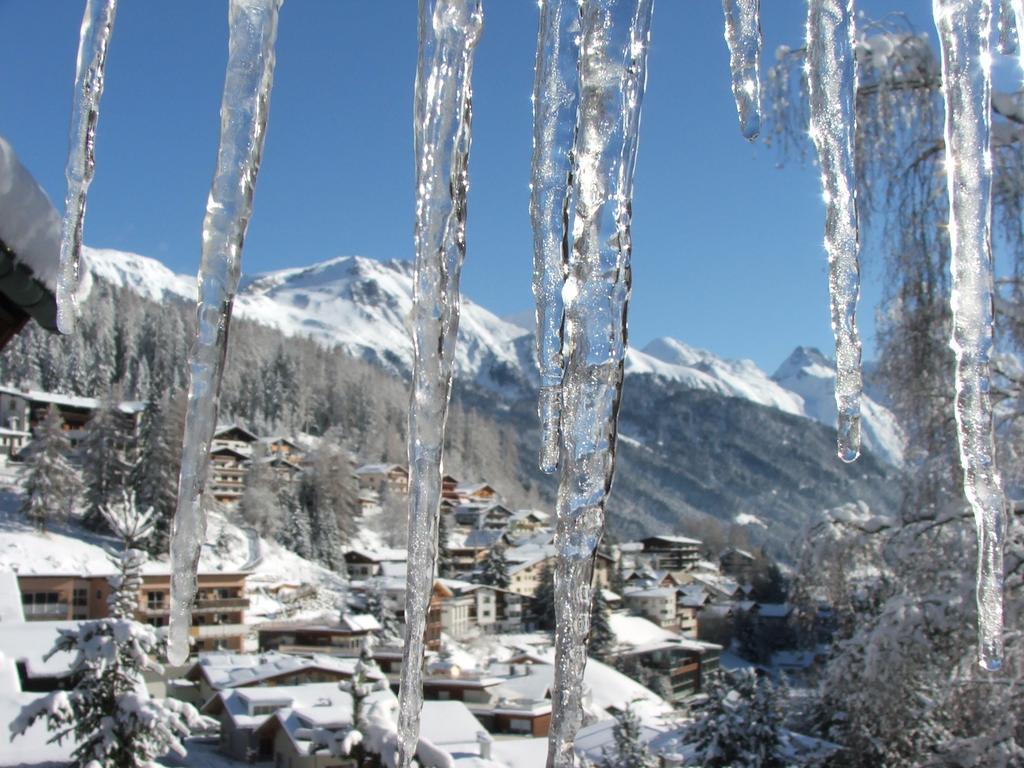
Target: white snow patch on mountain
column 698, row 369
column 812, row 376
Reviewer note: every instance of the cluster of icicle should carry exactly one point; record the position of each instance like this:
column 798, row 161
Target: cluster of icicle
column 589, row 86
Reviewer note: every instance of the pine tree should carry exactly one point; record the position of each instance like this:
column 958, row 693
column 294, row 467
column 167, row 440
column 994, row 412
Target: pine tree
column 445, row 562
column 494, row 568
column 154, row 474
column 52, row 485
column 376, row 606
column 366, row 680
column 260, row 505
column 601, row 641
column 542, row 607
column 296, row 533
column 630, row 750
column 104, row 466
column 740, row 725
column 108, row 712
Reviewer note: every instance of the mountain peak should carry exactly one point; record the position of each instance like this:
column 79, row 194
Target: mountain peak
column 807, row 361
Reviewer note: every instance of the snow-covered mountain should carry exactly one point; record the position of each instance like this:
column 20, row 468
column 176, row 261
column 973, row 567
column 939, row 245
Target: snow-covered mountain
column 811, row 375
column 359, row 304
column 363, row 305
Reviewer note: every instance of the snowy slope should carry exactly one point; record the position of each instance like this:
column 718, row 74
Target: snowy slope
column 811, row 375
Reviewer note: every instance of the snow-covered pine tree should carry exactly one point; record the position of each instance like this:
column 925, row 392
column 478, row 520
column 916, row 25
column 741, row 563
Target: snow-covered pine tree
column 740, row 725
column 377, row 606
column 154, row 474
column 366, row 680
column 325, row 537
column 108, row 712
column 260, row 505
column 601, row 641
column 445, row 562
column 296, row 533
column 494, row 568
column 542, row 608
column 52, row 485
column 104, row 464
column 630, row 751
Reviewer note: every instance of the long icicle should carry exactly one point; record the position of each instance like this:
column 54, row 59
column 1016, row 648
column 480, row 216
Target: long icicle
column 448, row 33
column 94, row 39
column 743, row 34
column 555, row 95
column 964, row 28
column 243, row 121
column 613, row 75
column 832, row 93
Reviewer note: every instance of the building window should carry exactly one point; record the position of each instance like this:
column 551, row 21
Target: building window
column 80, row 598
column 155, row 600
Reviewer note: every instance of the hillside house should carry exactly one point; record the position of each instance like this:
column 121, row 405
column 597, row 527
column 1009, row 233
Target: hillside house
column 378, row 477
column 738, row 563
column 23, row 410
column 657, row 605
column 243, row 712
column 282, row 448
column 218, row 615
column 526, row 568
column 228, row 470
column 362, row 564
column 468, row 609
column 235, row 437
column 671, row 553
column 476, row 493
column 216, row 672
column 345, row 636
column 482, row 516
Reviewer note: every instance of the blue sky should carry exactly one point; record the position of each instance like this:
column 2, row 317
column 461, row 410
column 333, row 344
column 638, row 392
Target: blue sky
column 727, row 245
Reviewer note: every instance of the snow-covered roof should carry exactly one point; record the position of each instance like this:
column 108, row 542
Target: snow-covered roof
column 379, row 469
column 380, row 554
column 267, row 667
column 654, row 593
column 593, row 741
column 29, row 642
column 29, row 224
column 346, row 624
column 327, row 698
column 673, row 539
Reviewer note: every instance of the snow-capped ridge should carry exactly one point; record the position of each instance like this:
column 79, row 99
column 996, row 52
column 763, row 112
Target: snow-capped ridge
column 811, row 375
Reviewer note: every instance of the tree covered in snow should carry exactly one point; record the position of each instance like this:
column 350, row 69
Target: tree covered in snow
column 542, row 606
column 445, row 562
column 154, row 474
column 630, row 749
column 391, row 522
column 52, row 485
column 494, row 568
column 366, row 680
column 601, row 641
column 107, row 711
column 740, row 724
column 260, row 505
column 104, row 463
column 377, row 606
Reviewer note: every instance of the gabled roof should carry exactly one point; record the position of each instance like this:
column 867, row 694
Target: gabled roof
column 234, row 432
column 671, row 540
column 380, row 469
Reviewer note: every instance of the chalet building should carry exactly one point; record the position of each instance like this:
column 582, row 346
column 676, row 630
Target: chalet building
column 235, row 437
column 282, row 448
column 468, row 609
column 12, row 441
column 738, row 563
column 482, row 516
column 228, row 469
column 671, row 553
column 686, row 663
column 244, row 714
column 690, row 602
column 526, row 520
column 285, row 471
column 448, row 490
column 468, row 550
column 657, row 605
column 469, row 493
column 23, row 410
column 218, row 619
column 344, row 637
column 377, row 477
column 221, row 672
column 362, row 564
column 525, row 574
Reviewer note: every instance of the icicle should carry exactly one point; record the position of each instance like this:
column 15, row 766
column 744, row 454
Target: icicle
column 554, row 124
column 743, row 34
column 97, row 25
column 964, row 28
column 832, row 89
column 448, row 33
column 613, row 74
column 243, row 120
column 1011, row 14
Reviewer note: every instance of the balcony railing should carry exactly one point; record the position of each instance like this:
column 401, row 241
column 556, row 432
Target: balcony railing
column 45, row 610
column 220, row 630
column 201, row 606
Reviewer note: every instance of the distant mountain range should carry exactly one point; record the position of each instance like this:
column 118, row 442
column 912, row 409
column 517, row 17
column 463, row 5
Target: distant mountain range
column 363, row 305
